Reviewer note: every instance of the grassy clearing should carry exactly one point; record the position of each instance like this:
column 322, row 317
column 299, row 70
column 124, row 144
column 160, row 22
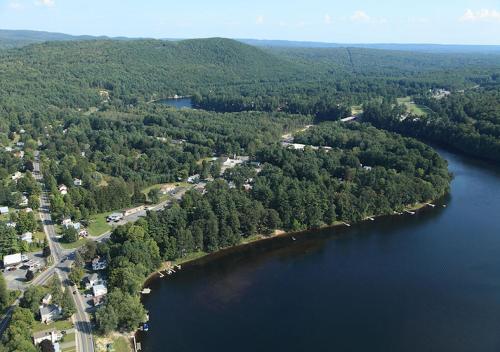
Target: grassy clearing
column 189, row 257
column 356, row 109
column 414, row 109
column 121, row 344
column 98, row 225
column 59, row 325
column 73, row 245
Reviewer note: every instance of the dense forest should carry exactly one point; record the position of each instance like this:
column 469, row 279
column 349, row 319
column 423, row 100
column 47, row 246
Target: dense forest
column 467, row 122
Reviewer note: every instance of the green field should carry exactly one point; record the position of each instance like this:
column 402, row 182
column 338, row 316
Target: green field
column 356, row 109
column 73, row 245
column 98, row 225
column 59, row 325
column 120, row 344
column 412, row 108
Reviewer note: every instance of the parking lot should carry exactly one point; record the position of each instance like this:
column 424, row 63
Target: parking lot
column 15, row 276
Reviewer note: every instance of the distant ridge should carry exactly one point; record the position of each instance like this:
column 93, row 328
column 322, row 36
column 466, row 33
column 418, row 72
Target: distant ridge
column 19, row 38
column 430, row 48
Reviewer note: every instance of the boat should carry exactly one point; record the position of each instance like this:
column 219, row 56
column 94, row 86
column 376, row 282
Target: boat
column 293, row 238
column 145, row 327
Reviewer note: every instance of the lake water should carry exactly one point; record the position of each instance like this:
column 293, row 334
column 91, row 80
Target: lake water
column 181, row 103
column 428, row 282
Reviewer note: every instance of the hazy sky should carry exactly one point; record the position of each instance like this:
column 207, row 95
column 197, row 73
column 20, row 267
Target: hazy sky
column 346, row 21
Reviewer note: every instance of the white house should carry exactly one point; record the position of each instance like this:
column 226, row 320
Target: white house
column 66, row 222
column 12, row 259
column 20, row 144
column 63, row 189
column 27, row 237
column 4, row 210
column 77, row 182
column 47, row 299
column 100, row 291
column 11, row 224
column 50, row 313
column 193, row 179
column 17, row 175
column 52, row 335
column 8, row 149
column 24, row 201
column 91, row 281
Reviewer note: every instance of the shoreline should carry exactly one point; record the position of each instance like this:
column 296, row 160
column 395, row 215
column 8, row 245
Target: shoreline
column 259, row 238
column 193, row 258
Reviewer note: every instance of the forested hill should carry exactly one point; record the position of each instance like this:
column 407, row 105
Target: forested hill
column 72, row 73
column 18, row 38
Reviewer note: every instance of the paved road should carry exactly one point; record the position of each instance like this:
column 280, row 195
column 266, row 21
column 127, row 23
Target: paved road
column 62, row 267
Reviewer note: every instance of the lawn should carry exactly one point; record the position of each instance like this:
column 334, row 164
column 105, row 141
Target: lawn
column 356, row 109
column 98, row 225
column 121, row 344
column 73, row 245
column 59, row 325
column 415, row 109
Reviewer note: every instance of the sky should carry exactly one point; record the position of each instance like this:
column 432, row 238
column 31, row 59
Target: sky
column 338, row 21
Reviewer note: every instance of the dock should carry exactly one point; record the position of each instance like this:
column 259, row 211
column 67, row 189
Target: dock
column 161, row 275
column 410, row 212
column 346, row 224
column 146, row 291
column 431, row 205
column 370, row 218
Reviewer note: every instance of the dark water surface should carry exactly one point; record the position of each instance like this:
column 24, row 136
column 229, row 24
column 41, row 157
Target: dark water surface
column 180, row 103
column 429, row 282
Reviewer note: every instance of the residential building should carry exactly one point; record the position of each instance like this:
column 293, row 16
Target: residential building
column 91, row 281
column 4, row 210
column 100, row 291
column 24, row 201
column 17, row 175
column 12, row 259
column 50, row 313
column 47, row 299
column 193, row 178
column 27, row 237
column 77, row 182
column 99, row 264
column 53, row 335
column 63, row 189
column 11, row 224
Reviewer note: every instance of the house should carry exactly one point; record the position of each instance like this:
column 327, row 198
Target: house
column 247, row 187
column 24, row 201
column 20, row 144
column 17, row 175
column 232, row 162
column 53, row 335
column 63, row 189
column 28, row 210
column 22, row 131
column 367, row 168
column 49, row 313
column 83, row 233
column 99, row 264
column 47, row 299
column 91, row 281
column 77, row 182
column 27, row 237
column 8, row 149
column 66, row 222
column 193, row 179
column 4, row 210
column 19, row 154
column 11, row 224
column 100, row 291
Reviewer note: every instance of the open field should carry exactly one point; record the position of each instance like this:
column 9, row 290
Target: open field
column 59, row 325
column 415, row 109
column 98, row 225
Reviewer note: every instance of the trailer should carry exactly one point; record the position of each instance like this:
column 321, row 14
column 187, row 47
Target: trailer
column 12, row 259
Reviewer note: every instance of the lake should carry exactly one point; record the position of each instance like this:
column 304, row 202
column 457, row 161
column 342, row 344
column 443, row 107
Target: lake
column 180, row 103
column 428, row 282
